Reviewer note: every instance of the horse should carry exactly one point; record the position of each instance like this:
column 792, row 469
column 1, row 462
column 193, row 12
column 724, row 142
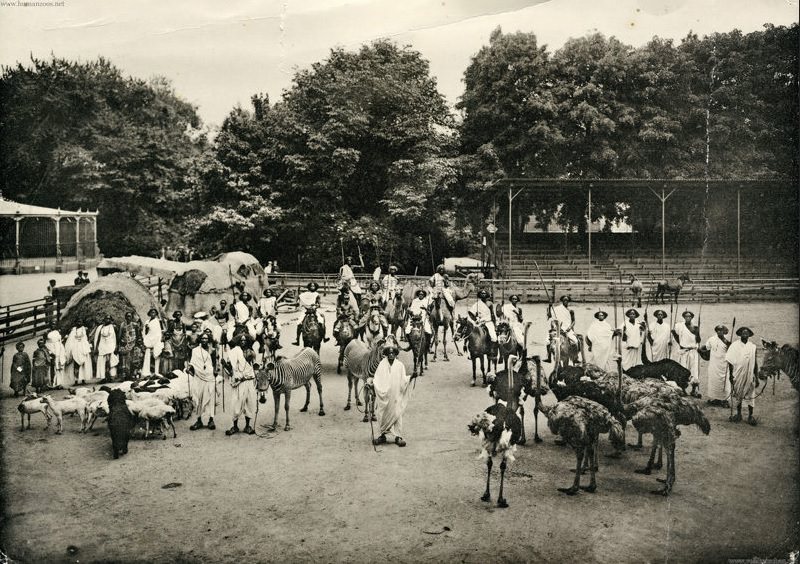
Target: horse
column 395, row 311
column 478, row 344
column 441, row 316
column 636, row 289
column 310, row 330
column 418, row 344
column 673, row 286
column 506, row 341
column 346, row 333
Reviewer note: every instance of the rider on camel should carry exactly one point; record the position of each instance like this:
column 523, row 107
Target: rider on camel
column 440, row 283
column 311, row 300
column 390, row 284
column 420, row 305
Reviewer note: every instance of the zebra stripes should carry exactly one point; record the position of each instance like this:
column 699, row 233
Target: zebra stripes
column 362, row 362
column 777, row 359
column 283, row 376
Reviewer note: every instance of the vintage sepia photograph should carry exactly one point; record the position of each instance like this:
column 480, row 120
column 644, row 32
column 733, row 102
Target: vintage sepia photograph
column 432, row 281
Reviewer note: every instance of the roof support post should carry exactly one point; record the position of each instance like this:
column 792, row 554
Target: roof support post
column 510, row 200
column 78, row 253
column 17, row 220
column 57, row 219
column 663, row 197
column 589, row 230
column 94, row 232
column 738, row 232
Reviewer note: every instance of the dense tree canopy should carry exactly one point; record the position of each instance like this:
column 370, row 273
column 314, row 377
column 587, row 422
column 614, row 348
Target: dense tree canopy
column 82, row 135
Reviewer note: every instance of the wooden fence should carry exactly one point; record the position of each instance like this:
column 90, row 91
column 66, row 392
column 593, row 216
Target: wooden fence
column 26, row 319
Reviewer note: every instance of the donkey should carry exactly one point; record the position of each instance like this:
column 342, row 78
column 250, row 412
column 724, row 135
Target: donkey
column 673, row 286
column 441, row 316
column 479, row 346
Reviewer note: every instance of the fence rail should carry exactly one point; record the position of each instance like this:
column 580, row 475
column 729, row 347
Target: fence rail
column 26, row 319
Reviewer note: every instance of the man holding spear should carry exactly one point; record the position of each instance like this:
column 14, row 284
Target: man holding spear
column 201, row 366
column 687, row 336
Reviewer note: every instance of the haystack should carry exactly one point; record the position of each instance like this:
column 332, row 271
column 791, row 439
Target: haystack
column 114, row 295
column 244, row 265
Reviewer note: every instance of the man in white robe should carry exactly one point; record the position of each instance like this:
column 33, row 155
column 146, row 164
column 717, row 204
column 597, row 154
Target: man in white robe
column 58, row 355
column 481, row 314
column 267, row 305
column 717, row 386
column 658, row 335
column 420, row 305
column 600, row 342
column 348, row 279
column 389, row 284
column 687, row 336
column 79, row 351
column 242, row 309
column 243, row 382
column 203, row 383
column 632, row 335
column 153, row 341
column 441, row 285
column 743, row 370
column 310, row 299
column 392, row 389
column 513, row 314
column 105, row 343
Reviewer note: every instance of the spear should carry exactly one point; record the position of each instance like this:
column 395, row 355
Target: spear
column 619, row 348
column 730, row 368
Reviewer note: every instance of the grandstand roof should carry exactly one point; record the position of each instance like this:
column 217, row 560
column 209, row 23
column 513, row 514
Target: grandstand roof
column 9, row 208
column 634, row 183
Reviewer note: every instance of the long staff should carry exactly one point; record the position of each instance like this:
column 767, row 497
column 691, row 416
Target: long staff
column 730, row 368
column 619, row 347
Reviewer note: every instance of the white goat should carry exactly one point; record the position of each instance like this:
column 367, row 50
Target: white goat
column 60, row 408
column 94, row 409
column 32, row 404
column 153, row 410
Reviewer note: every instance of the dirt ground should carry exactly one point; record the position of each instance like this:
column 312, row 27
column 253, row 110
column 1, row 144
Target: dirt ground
column 321, row 493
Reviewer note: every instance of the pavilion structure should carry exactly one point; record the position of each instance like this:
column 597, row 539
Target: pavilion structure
column 36, row 238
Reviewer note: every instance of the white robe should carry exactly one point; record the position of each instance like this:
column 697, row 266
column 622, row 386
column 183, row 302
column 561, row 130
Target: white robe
column 687, row 352
column 153, row 344
column 267, row 306
column 203, row 384
column 392, row 391
column 564, row 317
column 420, row 307
column 512, row 314
column 718, row 386
column 660, row 333
column 242, row 312
column 347, row 278
column 56, row 348
column 632, row 345
column 483, row 313
column 244, row 394
column 437, row 282
column 79, row 351
column 601, row 334
column 309, row 299
column 742, row 356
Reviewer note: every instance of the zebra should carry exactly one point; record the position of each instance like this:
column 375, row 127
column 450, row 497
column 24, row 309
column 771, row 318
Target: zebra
column 361, row 362
column 283, row 376
column 780, row 359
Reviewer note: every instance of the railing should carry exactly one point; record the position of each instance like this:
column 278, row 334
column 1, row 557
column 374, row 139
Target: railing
column 26, row 319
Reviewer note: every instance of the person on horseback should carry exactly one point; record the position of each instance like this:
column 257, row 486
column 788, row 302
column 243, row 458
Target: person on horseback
column 440, row 283
column 242, row 308
column 348, row 279
column 420, row 305
column 374, row 297
column 345, row 313
column 564, row 317
column 482, row 314
column 513, row 314
column 390, row 284
column 267, row 305
column 311, row 301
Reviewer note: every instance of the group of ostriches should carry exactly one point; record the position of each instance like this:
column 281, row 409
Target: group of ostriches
column 591, row 402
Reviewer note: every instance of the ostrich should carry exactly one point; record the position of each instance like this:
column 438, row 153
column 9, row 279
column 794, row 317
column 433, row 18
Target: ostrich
column 499, row 429
column 636, row 290
column 509, row 390
column 580, row 421
column 660, row 415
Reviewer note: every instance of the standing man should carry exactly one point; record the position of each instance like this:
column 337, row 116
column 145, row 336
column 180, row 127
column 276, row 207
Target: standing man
column 688, row 338
column 632, row 335
column 392, row 390
column 715, row 350
column 658, row 335
column 513, row 313
column 105, row 343
column 310, row 299
column 40, row 367
column 178, row 341
column 128, row 335
column 564, row 318
column 347, row 278
column 20, row 370
column 153, row 341
column 244, row 387
column 743, row 371
column 58, row 355
column 599, row 341
column 389, row 284
column 50, row 287
column 201, row 367
column 441, row 285
column 78, row 279
column 79, row 350
column 482, row 314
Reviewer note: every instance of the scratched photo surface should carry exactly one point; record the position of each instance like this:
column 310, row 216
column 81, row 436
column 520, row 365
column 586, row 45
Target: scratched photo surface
column 623, row 157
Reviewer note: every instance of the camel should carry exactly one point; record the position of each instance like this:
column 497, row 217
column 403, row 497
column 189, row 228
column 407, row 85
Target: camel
column 395, row 311
column 564, row 351
column 673, row 286
column 459, row 292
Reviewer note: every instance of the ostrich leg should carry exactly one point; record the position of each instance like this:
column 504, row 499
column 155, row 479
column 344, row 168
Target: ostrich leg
column 638, row 445
column 522, row 439
column 658, row 464
column 647, row 469
column 536, row 437
column 486, row 496
column 501, row 501
column 591, row 455
column 670, row 480
column 576, row 484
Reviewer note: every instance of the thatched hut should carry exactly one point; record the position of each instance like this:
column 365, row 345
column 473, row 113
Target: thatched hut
column 113, row 295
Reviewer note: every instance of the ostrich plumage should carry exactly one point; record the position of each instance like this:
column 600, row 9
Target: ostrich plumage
column 660, row 414
column 500, row 429
column 511, row 390
column 580, row 421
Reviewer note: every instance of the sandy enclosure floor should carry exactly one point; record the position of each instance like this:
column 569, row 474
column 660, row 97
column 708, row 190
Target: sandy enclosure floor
column 321, row 493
